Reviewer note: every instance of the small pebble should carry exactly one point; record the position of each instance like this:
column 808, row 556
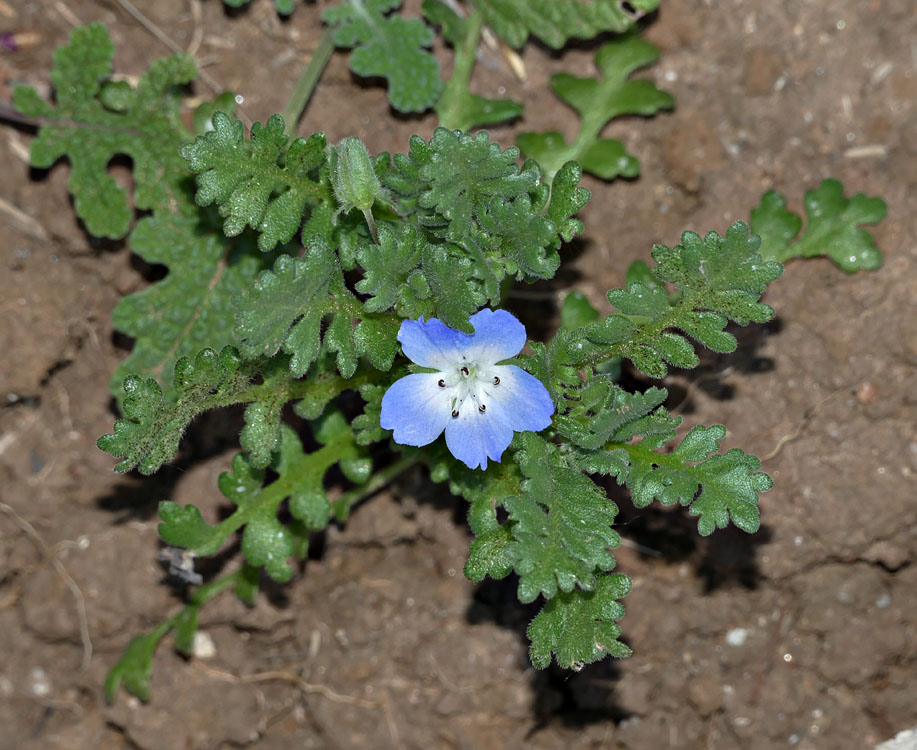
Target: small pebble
column 867, row 392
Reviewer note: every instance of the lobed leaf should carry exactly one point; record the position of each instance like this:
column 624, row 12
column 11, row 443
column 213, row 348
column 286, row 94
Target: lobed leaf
column 388, row 46
column 265, row 182
column 96, row 119
column 720, row 279
column 598, row 101
column 561, row 525
column 190, row 308
column 554, row 22
column 832, row 230
column 457, row 107
column 577, row 627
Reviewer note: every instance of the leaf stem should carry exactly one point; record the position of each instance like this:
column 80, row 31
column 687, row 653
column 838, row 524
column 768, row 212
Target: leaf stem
column 448, row 107
column 341, row 507
column 296, row 104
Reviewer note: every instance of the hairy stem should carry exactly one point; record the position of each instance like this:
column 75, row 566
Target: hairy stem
column 307, row 82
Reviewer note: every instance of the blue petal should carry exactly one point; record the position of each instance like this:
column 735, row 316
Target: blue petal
column 431, row 343
column 473, row 437
column 416, row 408
column 520, row 401
column 497, row 335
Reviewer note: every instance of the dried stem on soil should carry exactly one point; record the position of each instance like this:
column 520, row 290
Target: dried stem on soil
column 65, row 576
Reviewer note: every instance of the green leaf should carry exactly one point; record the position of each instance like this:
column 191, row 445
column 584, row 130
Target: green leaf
column 386, row 266
column 152, row 427
column 481, row 217
column 390, row 47
column 265, row 182
column 577, row 310
column 577, row 627
column 95, row 120
column 729, row 483
column 191, row 307
column 598, row 102
column 284, row 309
column 562, row 524
column 521, row 240
column 458, row 108
column 185, row 527
column 454, row 291
column 567, row 198
column 720, row 278
column 135, row 667
column 463, row 173
column 490, row 555
column 832, row 230
column 556, row 21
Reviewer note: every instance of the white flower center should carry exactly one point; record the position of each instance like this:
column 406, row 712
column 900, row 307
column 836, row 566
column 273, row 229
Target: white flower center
column 469, row 381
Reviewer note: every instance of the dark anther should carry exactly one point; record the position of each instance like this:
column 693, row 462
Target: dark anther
column 464, row 371
column 496, row 380
column 455, row 413
column 441, row 383
column 482, row 408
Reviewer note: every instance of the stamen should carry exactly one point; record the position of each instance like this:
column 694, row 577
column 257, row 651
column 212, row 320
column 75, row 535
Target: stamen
column 482, row 408
column 465, row 371
column 496, row 380
column 454, row 413
column 441, row 383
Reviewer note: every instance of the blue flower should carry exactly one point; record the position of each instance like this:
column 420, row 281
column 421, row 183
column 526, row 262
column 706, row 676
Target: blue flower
column 478, row 402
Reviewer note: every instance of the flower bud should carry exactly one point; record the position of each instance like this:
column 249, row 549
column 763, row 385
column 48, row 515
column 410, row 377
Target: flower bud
column 353, row 177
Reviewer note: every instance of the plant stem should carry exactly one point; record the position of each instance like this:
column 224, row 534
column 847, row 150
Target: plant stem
column 341, row 507
column 447, row 108
column 307, row 82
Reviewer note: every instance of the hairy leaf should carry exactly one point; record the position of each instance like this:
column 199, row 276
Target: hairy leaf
column 135, row 667
column 556, row 21
column 720, row 278
column 390, row 47
column 266, row 542
column 577, row 627
column 95, row 120
column 265, row 182
column 284, row 309
column 562, row 524
column 598, row 102
column 190, row 308
column 832, row 230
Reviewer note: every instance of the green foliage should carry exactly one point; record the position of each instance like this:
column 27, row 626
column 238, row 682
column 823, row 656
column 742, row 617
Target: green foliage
column 578, row 628
column 456, row 220
column 458, row 107
column 284, row 7
column 480, row 219
column 390, row 47
column 561, row 524
column 266, row 542
column 190, row 308
column 832, row 230
column 603, row 423
column 556, row 21
column 598, row 102
column 720, row 279
column 264, row 182
column 97, row 119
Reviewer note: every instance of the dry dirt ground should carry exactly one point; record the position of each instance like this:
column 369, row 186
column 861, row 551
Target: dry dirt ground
column 804, row 635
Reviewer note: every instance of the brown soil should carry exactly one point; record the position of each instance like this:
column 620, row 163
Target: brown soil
column 803, row 635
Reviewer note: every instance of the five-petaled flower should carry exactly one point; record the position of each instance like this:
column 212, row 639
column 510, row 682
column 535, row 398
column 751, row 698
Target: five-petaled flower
column 478, row 402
